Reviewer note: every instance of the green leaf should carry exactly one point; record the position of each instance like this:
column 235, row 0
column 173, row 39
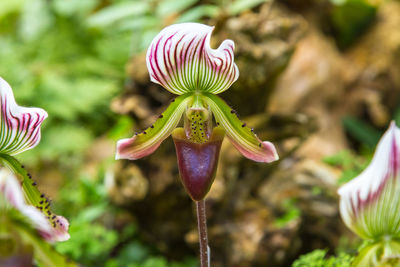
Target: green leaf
column 317, row 258
column 109, row 15
column 350, row 19
column 73, row 7
column 240, row 5
column 93, row 248
column 361, row 131
column 198, row 12
column 396, row 116
column 72, row 98
column 64, row 140
column 7, row 7
column 292, row 212
column 350, row 164
column 139, row 23
column 168, row 7
column 30, row 26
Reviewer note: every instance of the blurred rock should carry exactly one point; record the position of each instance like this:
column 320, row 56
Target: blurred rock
column 264, row 43
column 125, row 185
column 314, row 83
column 376, row 90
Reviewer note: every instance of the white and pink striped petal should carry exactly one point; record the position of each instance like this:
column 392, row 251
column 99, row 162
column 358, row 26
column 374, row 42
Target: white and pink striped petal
column 181, row 60
column 51, row 229
column 370, row 203
column 19, row 126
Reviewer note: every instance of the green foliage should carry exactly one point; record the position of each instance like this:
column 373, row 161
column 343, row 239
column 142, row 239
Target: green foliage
column 238, row 6
column 317, row 258
column 95, row 239
column 361, row 131
column 198, row 12
column 350, row 18
column 53, row 61
column 136, row 255
column 396, row 115
column 291, row 212
column 144, row 18
column 147, row 18
column 86, row 206
column 89, row 249
column 18, row 236
column 350, row 164
column 155, row 262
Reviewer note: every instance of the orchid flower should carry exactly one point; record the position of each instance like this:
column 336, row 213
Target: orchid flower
column 370, row 203
column 181, row 60
column 20, row 131
column 13, row 194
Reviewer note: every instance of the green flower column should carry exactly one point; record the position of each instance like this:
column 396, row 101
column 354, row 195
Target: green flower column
column 181, row 60
column 370, row 204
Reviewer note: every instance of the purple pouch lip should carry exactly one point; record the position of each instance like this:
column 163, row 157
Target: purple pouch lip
column 197, row 162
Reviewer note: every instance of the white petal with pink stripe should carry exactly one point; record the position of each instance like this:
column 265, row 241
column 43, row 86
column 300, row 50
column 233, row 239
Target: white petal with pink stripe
column 19, row 126
column 181, row 60
column 370, row 203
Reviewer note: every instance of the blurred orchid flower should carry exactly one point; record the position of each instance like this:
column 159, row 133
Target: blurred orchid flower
column 20, row 126
column 53, row 228
column 370, row 203
column 181, row 60
column 20, row 131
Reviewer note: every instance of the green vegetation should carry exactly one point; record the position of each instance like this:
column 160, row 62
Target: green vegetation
column 291, row 213
column 318, row 258
column 57, row 63
column 362, row 132
column 88, row 207
column 350, row 164
column 350, row 18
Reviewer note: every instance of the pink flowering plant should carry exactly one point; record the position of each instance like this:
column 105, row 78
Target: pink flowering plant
column 181, row 60
column 370, row 204
column 25, row 215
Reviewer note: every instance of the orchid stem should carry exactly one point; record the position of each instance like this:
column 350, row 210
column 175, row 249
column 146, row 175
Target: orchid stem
column 202, row 228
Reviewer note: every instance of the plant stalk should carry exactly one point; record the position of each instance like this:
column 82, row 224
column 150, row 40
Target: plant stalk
column 202, row 228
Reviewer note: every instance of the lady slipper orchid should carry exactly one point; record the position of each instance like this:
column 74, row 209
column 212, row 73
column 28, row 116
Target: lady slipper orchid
column 181, row 60
column 12, row 192
column 370, row 203
column 20, row 131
